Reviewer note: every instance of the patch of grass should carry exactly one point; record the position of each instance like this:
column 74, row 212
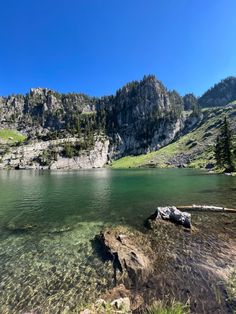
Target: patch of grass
column 159, row 307
column 132, row 161
column 11, row 136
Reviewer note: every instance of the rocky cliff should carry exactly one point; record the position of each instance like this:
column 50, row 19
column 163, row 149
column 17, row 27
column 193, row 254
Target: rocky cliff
column 78, row 131
column 55, row 154
column 142, row 117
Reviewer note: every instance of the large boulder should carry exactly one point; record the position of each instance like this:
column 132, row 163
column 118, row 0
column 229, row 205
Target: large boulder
column 127, row 257
column 172, row 214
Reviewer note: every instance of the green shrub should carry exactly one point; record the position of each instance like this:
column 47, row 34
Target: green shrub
column 68, row 150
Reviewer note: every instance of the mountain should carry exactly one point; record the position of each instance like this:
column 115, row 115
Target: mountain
column 143, row 116
column 190, row 101
column 46, row 129
column 220, row 94
column 194, row 149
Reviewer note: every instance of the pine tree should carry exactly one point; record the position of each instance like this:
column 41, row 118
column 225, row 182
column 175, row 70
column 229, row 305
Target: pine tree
column 218, row 152
column 224, row 148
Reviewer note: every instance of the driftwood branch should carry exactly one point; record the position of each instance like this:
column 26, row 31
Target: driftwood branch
column 207, row 208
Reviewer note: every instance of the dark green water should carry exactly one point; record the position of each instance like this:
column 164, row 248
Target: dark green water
column 47, row 219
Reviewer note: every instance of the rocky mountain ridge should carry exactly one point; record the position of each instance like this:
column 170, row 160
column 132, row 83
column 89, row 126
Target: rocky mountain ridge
column 220, row 94
column 140, row 118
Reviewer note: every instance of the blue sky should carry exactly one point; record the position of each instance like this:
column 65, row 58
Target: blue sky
column 96, row 46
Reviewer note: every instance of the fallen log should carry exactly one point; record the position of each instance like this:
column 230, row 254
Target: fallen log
column 207, row 208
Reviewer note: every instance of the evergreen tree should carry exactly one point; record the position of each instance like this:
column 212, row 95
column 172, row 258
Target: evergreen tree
column 218, row 152
column 224, row 148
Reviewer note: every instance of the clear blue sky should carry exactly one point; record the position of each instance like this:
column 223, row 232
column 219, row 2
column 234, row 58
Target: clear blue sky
column 96, row 46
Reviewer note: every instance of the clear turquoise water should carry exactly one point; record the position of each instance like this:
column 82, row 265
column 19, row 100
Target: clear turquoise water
column 51, row 198
column 47, row 221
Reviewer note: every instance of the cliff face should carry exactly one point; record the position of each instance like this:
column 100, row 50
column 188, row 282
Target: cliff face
column 51, row 155
column 141, row 117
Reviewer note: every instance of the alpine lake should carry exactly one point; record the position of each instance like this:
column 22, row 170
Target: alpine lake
column 49, row 219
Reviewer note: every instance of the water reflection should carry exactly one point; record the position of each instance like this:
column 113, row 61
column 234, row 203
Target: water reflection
column 105, row 194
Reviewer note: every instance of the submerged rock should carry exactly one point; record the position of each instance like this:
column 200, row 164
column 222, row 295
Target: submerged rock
column 120, row 292
column 60, row 229
column 172, row 214
column 122, row 304
column 19, row 228
column 126, row 256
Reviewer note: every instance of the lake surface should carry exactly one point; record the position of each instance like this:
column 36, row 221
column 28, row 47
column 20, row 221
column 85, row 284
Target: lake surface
column 48, row 219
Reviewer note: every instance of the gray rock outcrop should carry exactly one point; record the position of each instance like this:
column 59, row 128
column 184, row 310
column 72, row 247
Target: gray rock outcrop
column 172, row 214
column 37, row 155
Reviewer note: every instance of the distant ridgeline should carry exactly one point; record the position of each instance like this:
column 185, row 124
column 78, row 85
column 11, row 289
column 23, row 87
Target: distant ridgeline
column 52, row 130
column 220, row 94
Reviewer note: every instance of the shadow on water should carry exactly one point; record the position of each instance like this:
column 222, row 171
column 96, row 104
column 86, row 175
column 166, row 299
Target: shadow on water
column 99, row 250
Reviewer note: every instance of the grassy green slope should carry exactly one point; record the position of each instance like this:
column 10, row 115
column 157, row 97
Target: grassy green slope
column 11, row 136
column 195, row 149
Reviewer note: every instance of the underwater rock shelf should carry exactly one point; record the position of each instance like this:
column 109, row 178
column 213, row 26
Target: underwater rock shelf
column 126, row 255
column 207, row 208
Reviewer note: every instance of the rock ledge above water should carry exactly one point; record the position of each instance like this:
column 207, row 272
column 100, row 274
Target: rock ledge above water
column 172, row 214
